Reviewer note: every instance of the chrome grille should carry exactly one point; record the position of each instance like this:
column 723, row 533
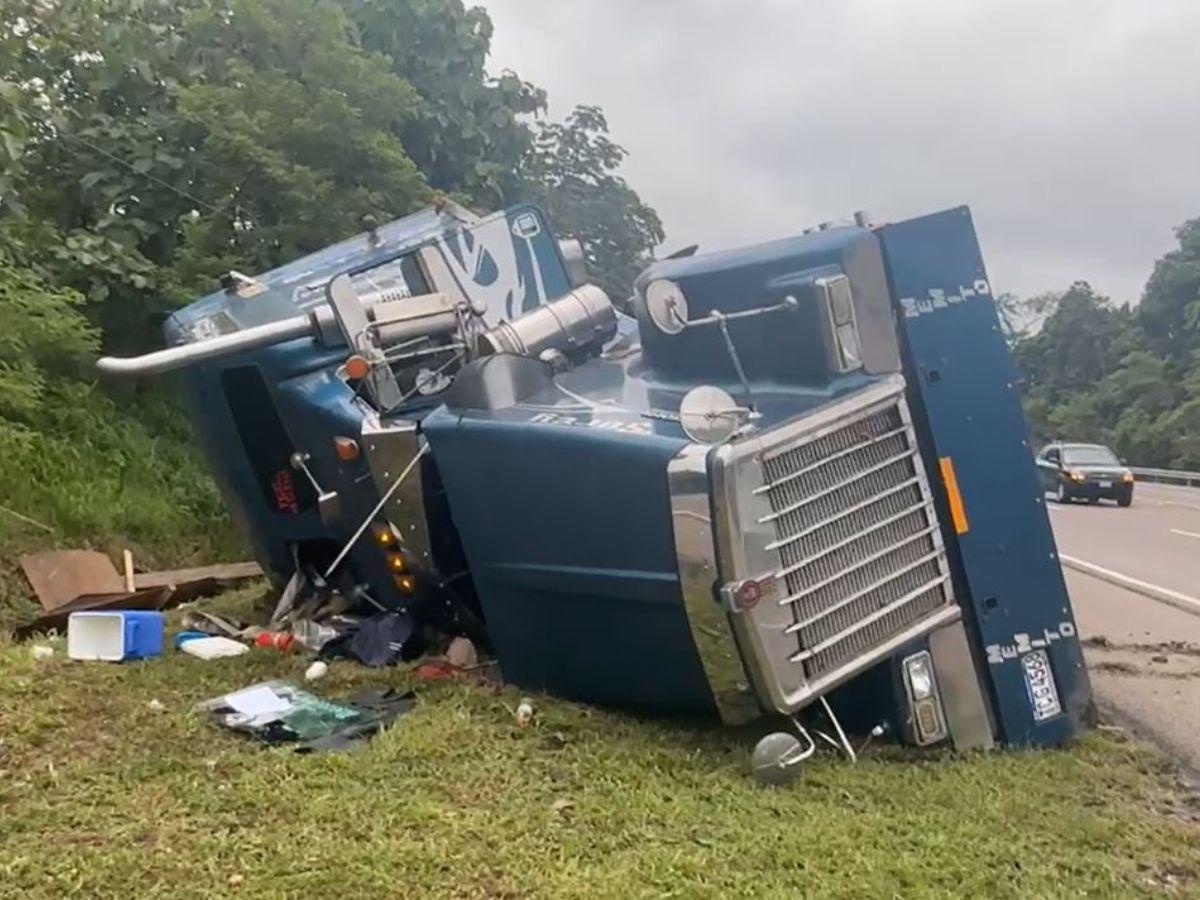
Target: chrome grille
column 860, row 556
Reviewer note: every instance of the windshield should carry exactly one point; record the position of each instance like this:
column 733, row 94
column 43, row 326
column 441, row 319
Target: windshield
column 1089, row 456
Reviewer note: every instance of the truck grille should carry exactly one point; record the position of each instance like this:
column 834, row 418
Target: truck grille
column 861, row 558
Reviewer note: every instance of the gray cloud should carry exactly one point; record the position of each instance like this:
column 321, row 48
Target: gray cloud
column 1071, row 128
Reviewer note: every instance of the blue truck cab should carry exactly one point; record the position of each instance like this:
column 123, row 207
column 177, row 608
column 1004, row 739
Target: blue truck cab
column 782, row 479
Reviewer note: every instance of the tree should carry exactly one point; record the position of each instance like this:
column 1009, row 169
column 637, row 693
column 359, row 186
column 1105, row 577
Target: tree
column 1170, row 307
column 45, row 337
column 156, row 144
column 177, row 140
column 470, row 132
column 1130, row 378
column 571, row 171
column 1075, row 346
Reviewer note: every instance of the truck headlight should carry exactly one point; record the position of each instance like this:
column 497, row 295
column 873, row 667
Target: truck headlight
column 919, row 670
column 928, row 721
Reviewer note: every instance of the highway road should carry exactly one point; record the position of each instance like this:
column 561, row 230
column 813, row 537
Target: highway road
column 1156, row 540
column 1144, row 654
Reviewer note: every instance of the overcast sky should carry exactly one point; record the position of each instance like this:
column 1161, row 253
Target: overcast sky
column 1071, row 128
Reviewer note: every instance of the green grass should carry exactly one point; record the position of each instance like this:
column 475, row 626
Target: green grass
column 105, row 473
column 102, row 796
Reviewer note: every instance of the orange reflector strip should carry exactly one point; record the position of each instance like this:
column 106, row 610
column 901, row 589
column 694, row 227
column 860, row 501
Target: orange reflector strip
column 958, row 514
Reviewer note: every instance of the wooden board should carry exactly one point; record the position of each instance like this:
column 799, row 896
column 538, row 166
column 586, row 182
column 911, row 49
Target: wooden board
column 182, row 577
column 60, row 577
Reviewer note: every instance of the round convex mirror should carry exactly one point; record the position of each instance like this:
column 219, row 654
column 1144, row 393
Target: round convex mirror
column 709, row 415
column 776, row 759
column 666, row 306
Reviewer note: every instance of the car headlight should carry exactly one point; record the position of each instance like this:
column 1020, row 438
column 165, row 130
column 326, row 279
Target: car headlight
column 1127, row 478
column 1076, row 475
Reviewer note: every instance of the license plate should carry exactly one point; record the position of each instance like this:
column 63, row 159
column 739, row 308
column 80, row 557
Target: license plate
column 1039, row 679
column 1106, row 484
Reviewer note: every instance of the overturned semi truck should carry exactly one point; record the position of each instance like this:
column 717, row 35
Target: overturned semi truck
column 788, row 479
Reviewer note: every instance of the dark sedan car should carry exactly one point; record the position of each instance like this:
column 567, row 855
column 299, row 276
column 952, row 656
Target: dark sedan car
column 1084, row 471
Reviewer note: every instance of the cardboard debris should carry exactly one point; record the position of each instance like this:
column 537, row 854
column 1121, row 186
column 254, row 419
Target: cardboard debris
column 61, row 577
column 67, row 581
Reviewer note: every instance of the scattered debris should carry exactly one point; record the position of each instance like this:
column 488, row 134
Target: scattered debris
column 186, row 584
column 524, row 712
column 157, row 706
column 315, row 635
column 462, row 653
column 41, row 651
column 436, row 670
column 316, row 671
column 209, row 624
column 67, row 581
column 61, row 578
column 276, row 712
column 213, row 647
column 114, row 636
column 1160, row 659
column 380, row 640
column 127, row 560
column 292, row 591
column 278, row 640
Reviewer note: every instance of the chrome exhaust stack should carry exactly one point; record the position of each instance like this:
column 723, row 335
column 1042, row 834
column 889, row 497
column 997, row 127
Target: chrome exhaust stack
column 184, row 355
column 392, row 321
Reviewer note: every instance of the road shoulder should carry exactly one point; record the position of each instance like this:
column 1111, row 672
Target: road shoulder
column 1144, row 658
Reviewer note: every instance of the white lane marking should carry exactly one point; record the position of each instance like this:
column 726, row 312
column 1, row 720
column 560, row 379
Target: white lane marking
column 1185, row 533
column 1128, row 581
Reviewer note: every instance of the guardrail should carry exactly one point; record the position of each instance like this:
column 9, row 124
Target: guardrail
column 1169, row 476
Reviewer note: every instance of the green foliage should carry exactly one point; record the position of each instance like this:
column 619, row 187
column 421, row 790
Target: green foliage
column 161, row 143
column 90, row 468
column 572, row 173
column 1128, row 378
column 1170, row 307
column 45, row 337
column 147, row 146
column 468, row 135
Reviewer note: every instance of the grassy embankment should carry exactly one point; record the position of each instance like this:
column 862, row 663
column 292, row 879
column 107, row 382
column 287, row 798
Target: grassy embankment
column 104, row 473
column 102, row 795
